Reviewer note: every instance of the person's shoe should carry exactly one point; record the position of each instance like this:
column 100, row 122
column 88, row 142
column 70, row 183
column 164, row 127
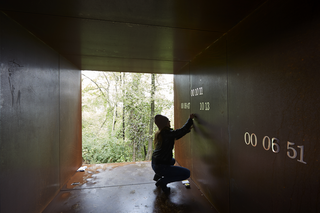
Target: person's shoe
column 159, row 182
column 166, row 190
column 156, row 177
column 163, row 186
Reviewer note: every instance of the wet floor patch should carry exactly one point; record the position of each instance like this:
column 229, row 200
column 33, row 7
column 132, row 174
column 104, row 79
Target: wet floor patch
column 123, row 188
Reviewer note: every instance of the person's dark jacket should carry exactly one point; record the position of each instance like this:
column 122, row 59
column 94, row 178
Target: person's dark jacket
column 163, row 152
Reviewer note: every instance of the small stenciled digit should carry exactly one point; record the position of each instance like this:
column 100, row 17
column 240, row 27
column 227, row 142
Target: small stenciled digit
column 294, row 152
column 196, row 92
column 255, row 139
column 201, row 105
column 192, row 92
column 189, row 105
column 181, row 105
column 201, row 91
column 301, row 155
column 264, row 143
column 274, row 143
column 247, row 138
column 207, row 105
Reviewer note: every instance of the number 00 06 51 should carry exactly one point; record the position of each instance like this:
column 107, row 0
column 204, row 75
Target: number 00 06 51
column 274, row 144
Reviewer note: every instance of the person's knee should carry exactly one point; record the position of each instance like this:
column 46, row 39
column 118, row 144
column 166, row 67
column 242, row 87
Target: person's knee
column 187, row 173
column 173, row 161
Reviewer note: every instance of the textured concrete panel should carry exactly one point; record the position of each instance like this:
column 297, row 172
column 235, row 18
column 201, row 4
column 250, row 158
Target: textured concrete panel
column 139, row 36
column 182, row 111
column 33, row 152
column 273, row 102
column 112, row 46
column 261, row 156
column 70, row 120
column 29, row 120
column 208, row 74
column 201, row 15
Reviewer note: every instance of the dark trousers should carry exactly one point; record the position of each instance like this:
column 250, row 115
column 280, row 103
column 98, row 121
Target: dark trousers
column 171, row 173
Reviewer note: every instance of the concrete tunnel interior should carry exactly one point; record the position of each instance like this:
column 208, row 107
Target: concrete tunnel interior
column 248, row 69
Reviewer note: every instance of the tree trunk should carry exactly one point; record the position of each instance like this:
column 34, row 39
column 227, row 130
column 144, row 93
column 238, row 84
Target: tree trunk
column 153, row 89
column 134, row 131
column 115, row 112
column 134, row 152
column 123, row 107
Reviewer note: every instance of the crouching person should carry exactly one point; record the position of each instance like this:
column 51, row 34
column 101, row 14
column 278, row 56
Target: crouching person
column 162, row 160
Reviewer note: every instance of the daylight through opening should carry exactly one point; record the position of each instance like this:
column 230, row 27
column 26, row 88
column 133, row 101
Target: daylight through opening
column 118, row 109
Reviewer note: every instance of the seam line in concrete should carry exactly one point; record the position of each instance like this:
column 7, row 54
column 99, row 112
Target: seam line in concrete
column 98, row 187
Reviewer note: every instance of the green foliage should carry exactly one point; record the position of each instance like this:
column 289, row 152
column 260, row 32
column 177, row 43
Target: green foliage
column 116, row 114
column 104, row 150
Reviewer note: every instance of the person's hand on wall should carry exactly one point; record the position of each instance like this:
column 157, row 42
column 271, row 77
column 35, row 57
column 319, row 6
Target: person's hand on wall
column 192, row 116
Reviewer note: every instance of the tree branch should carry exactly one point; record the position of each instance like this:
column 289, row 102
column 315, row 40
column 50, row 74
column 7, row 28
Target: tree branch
column 95, row 84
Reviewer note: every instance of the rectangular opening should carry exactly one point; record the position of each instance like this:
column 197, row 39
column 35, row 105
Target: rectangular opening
column 117, row 114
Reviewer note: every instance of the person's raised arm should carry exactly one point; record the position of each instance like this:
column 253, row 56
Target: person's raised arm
column 179, row 133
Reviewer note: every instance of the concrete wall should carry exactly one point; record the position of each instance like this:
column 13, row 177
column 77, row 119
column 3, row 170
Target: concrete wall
column 260, row 79
column 40, row 120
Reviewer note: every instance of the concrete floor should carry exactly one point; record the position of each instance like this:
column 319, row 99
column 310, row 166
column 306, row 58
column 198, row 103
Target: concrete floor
column 125, row 187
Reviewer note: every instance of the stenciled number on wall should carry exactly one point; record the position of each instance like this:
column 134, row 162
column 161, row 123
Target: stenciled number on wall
column 205, row 106
column 273, row 144
column 185, row 105
column 196, row 91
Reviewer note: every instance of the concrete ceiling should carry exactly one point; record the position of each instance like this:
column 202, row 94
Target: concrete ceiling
column 152, row 36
